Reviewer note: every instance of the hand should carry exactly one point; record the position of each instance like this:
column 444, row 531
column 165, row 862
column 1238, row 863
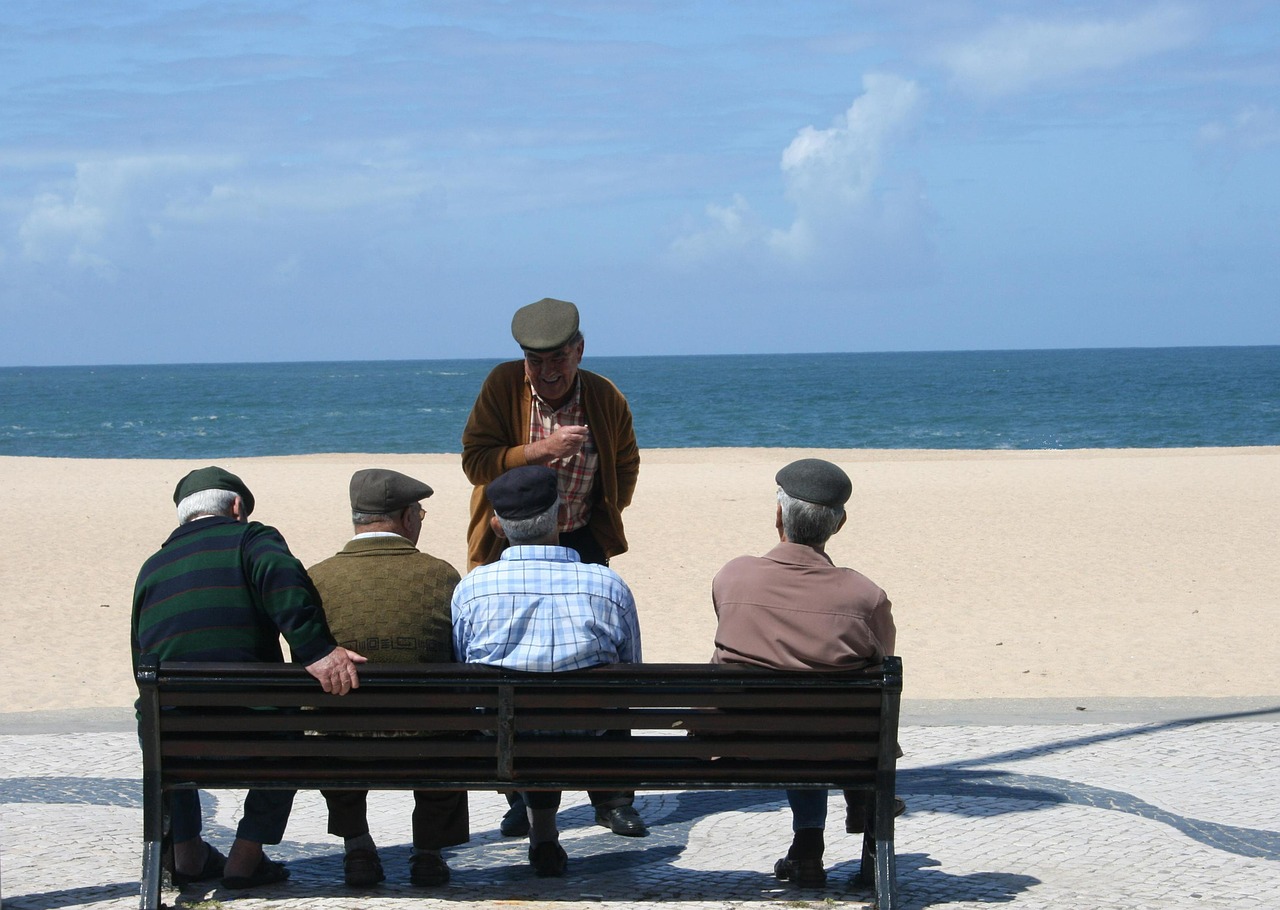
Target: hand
column 337, row 671
column 564, row 442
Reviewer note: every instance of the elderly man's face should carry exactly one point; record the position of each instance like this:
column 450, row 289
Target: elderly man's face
column 552, row 373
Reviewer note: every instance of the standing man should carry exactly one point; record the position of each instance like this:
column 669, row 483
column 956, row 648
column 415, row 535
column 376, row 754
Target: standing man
column 544, row 410
column 386, row 598
column 794, row 609
column 223, row 588
column 540, row 609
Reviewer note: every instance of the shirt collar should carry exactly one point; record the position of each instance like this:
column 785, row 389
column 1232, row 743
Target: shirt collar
column 541, row 552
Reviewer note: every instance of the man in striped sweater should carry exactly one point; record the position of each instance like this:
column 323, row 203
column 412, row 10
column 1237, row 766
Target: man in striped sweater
column 223, row 588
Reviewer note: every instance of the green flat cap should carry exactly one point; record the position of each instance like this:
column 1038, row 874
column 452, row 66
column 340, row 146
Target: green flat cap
column 816, row 481
column 380, row 491
column 545, row 325
column 213, row 478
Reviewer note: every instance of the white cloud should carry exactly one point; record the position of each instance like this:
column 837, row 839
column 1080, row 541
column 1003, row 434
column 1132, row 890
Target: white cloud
column 1018, row 54
column 831, row 174
column 105, row 206
column 835, row 180
column 1251, row 129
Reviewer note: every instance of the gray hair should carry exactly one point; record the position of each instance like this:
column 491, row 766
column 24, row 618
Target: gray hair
column 206, row 502
column 521, row 531
column 369, row 518
column 807, row 522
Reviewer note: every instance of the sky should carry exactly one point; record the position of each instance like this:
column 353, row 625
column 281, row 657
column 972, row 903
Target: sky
column 283, row 180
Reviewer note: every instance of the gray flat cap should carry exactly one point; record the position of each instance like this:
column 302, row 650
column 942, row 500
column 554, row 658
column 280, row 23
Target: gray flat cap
column 213, row 478
column 545, row 325
column 380, row 491
column 816, row 481
column 522, row 492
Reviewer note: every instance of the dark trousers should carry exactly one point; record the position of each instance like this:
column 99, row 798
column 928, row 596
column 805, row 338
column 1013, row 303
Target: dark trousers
column 582, row 540
column 440, row 817
column 266, row 814
column 600, row 799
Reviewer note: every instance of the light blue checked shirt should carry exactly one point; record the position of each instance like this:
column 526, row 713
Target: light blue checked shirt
column 540, row 608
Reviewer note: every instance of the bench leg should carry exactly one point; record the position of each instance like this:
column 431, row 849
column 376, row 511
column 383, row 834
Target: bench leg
column 151, row 868
column 886, row 876
column 866, row 871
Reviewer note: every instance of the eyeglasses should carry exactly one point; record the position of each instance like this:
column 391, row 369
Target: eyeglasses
column 422, row 513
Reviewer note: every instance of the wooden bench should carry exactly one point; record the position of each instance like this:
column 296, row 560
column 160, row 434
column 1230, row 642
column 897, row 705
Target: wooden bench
column 752, row 728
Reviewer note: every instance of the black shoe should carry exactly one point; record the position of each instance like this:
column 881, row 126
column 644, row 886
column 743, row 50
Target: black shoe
column 624, row 820
column 548, row 859
column 362, row 869
column 212, row 868
column 268, row 872
column 858, row 820
column 804, row 873
column 516, row 822
column 429, row 870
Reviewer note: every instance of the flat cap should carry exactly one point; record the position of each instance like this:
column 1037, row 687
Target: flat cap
column 380, row 491
column 212, row 478
column 545, row 325
column 522, row 492
column 816, row 481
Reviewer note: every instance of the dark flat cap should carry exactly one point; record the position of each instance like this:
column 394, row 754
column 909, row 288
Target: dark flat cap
column 816, row 481
column 212, row 478
column 522, row 492
column 545, row 325
column 380, row 491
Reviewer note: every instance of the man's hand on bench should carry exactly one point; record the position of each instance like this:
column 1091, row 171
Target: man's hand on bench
column 337, row 671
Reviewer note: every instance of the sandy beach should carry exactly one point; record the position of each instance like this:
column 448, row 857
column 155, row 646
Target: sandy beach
column 1046, row 574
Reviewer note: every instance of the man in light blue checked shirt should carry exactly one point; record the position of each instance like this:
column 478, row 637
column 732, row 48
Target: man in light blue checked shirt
column 540, row 608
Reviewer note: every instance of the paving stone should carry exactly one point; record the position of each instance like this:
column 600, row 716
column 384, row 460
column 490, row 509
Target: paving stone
column 1163, row 816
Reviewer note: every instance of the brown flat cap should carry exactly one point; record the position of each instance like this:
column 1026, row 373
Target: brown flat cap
column 522, row 492
column 545, row 325
column 213, row 478
column 816, row 481
column 380, row 491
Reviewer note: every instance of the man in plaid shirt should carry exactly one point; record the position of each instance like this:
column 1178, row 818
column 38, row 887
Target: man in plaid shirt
column 545, row 410
column 540, row 608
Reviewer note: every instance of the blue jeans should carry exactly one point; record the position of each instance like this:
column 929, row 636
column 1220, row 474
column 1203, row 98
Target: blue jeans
column 266, row 814
column 808, row 808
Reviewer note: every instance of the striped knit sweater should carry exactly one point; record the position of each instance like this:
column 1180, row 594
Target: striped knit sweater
column 219, row 589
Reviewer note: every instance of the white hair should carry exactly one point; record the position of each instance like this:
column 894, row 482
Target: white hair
column 206, row 502
column 808, row 523
column 521, row 531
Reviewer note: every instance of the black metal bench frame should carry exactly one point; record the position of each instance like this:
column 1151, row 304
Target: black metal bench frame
column 237, row 726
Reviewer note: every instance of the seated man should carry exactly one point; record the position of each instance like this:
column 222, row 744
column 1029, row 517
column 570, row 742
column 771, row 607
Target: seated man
column 540, row 608
column 384, row 596
column 794, row 609
column 224, row 588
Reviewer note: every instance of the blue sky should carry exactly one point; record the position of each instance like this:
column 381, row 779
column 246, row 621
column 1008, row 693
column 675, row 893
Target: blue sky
column 270, row 180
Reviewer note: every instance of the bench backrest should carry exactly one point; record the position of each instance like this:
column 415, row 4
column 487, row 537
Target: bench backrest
column 460, row 726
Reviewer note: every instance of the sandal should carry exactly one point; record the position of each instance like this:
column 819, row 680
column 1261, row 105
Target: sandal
column 212, row 868
column 269, row 872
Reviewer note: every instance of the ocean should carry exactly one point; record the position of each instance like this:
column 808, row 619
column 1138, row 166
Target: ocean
column 1048, row 399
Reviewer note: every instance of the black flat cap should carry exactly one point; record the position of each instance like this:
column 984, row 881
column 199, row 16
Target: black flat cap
column 212, row 478
column 522, row 492
column 380, row 491
column 816, row 481
column 545, row 325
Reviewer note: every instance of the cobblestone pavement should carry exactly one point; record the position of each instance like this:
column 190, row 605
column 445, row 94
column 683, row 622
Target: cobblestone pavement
column 1158, row 814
